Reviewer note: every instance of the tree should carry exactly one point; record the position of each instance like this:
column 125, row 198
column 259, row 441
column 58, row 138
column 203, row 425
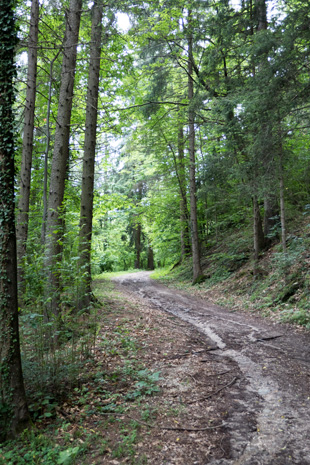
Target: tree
column 61, row 155
column 47, row 148
column 197, row 270
column 86, row 213
column 25, row 171
column 13, row 400
column 184, row 217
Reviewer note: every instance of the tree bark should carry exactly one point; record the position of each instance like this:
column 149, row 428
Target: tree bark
column 261, row 14
column 47, row 148
column 258, row 233
column 185, row 241
column 282, row 209
column 86, row 213
column 138, row 245
column 179, row 165
column 271, row 214
column 25, row 172
column 259, row 239
column 60, row 156
column 11, row 380
column 150, row 258
column 270, row 203
column 282, row 202
column 197, row 270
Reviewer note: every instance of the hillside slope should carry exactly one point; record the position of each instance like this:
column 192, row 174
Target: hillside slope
column 281, row 289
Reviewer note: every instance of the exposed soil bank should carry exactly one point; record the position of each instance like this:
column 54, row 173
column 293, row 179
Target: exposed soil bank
column 268, row 418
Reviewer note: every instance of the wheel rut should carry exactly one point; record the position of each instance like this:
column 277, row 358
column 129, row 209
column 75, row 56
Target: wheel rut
column 273, row 386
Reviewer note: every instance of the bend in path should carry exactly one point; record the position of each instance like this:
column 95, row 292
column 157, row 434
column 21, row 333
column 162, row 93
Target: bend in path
column 275, row 365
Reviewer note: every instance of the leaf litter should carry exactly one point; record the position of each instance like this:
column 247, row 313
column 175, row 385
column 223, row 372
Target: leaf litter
column 155, row 395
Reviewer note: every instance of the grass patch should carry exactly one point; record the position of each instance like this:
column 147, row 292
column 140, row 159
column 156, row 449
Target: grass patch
column 107, row 275
column 160, row 273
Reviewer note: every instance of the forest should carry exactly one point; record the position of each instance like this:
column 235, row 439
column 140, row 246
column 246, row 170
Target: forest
column 155, row 135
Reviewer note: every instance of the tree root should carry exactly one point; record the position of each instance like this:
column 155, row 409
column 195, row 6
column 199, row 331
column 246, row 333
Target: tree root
column 215, row 392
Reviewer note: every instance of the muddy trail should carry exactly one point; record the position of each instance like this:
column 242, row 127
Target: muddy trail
column 268, row 421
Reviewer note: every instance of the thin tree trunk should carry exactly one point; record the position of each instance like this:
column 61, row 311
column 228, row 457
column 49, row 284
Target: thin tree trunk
column 282, row 202
column 270, row 204
column 138, row 246
column 179, row 165
column 282, row 208
column 197, row 270
column 271, row 214
column 258, row 234
column 150, row 258
column 11, row 379
column 261, row 14
column 185, row 241
column 25, row 172
column 86, row 213
column 47, row 148
column 60, row 156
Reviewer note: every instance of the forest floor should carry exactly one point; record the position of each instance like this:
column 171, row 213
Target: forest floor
column 173, row 379
column 176, row 413
column 246, row 376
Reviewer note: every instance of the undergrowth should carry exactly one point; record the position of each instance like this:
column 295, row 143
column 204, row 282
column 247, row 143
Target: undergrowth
column 79, row 391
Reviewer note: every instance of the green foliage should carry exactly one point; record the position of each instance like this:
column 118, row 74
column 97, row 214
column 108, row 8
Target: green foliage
column 35, row 448
column 125, row 447
column 297, row 250
column 300, row 316
column 53, row 356
column 160, row 272
column 97, row 389
column 146, row 384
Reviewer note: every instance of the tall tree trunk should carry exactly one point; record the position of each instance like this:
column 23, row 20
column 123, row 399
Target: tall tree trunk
column 138, row 232
column 270, row 203
column 271, row 212
column 12, row 392
column 261, row 14
column 282, row 203
column 259, row 239
column 47, row 148
column 185, row 241
column 197, row 271
column 179, row 165
column 86, row 213
column 258, row 233
column 150, row 258
column 282, row 210
column 60, row 155
column 25, row 172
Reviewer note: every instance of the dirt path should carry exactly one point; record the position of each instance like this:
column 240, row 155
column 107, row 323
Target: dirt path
column 268, row 419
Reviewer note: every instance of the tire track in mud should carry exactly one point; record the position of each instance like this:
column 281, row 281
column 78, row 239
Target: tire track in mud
column 274, row 364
